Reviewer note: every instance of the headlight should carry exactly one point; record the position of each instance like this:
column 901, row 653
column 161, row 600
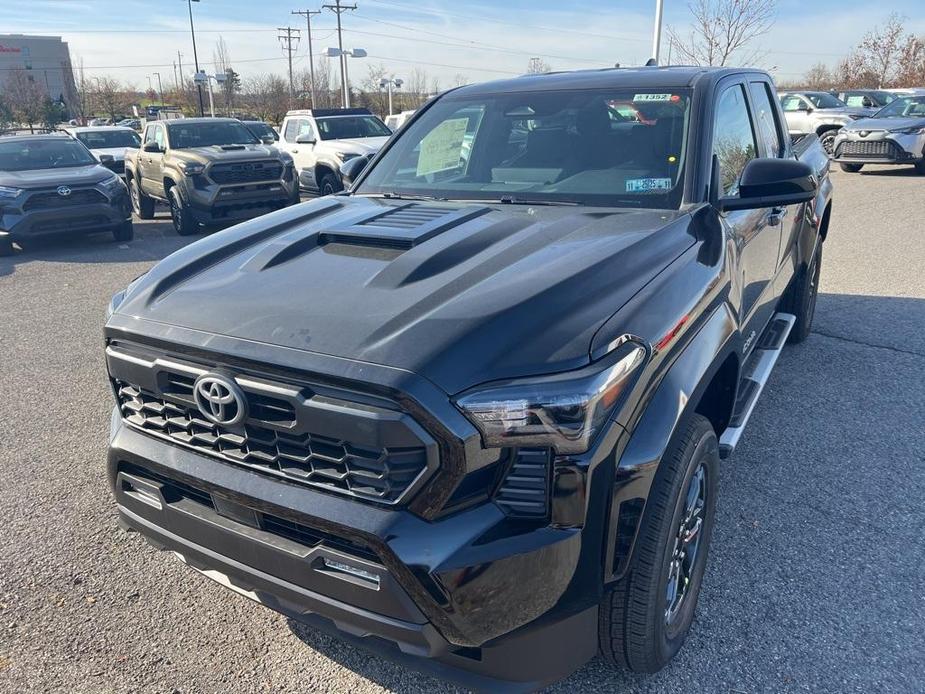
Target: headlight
column 909, row 131
column 191, row 168
column 565, row 411
column 346, row 156
column 8, row 193
column 112, row 185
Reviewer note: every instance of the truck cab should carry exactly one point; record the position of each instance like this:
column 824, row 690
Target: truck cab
column 321, row 140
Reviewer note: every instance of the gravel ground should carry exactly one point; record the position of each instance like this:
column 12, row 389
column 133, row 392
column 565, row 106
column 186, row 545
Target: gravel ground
column 816, row 571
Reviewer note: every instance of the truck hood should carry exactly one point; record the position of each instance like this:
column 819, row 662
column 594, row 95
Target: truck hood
column 880, row 124
column 361, row 145
column 117, row 153
column 458, row 293
column 45, row 178
column 227, row 153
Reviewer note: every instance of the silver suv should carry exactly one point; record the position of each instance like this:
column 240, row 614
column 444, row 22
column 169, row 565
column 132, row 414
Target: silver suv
column 896, row 135
column 819, row 113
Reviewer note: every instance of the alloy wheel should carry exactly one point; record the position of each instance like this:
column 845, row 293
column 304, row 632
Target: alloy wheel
column 686, row 545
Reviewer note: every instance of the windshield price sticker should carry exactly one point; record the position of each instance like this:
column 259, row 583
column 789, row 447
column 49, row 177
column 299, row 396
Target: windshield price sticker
column 652, row 97
column 441, row 148
column 644, row 185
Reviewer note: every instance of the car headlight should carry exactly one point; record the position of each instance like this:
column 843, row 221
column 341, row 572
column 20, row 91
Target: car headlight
column 112, row 185
column 909, row 131
column 346, row 156
column 8, row 193
column 564, row 411
column 192, row 168
column 856, row 116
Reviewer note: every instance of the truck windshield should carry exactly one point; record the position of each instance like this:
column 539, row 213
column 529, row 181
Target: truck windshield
column 591, row 147
column 186, row 135
column 348, row 127
column 104, row 139
column 825, row 100
column 53, row 153
column 904, row 107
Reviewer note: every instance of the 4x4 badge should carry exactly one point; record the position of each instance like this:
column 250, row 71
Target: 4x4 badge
column 220, row 399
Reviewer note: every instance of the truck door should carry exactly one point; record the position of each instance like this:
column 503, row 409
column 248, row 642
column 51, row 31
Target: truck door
column 303, row 155
column 756, row 232
column 151, row 164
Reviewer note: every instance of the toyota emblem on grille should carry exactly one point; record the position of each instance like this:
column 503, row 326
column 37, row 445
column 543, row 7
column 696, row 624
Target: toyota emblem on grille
column 64, row 191
column 220, row 399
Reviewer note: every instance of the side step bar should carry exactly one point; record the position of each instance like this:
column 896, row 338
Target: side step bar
column 756, row 374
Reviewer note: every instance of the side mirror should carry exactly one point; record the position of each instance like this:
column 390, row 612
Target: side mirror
column 268, row 140
column 107, row 159
column 352, row 168
column 772, row 183
column 151, row 147
column 866, row 102
column 305, row 140
column 807, row 109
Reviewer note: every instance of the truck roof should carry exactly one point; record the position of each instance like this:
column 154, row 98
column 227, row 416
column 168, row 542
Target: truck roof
column 193, row 121
column 637, row 77
column 320, row 112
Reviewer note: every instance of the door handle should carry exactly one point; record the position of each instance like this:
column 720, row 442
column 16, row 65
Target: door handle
column 776, row 216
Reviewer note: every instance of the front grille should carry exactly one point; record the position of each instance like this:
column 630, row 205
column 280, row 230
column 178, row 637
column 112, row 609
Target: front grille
column 313, row 435
column 52, row 200
column 880, row 149
column 246, row 172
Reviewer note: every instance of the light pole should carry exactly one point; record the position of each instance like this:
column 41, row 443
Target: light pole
column 390, row 82
column 160, row 88
column 189, row 4
column 657, row 36
column 343, row 54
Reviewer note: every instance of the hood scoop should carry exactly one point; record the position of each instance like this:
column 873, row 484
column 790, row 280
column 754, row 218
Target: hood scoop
column 403, row 226
column 232, row 148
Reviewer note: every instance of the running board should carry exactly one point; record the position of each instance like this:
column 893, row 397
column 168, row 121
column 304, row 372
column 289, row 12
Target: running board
column 757, row 371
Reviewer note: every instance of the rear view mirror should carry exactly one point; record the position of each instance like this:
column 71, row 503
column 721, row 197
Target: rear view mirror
column 772, row 183
column 352, row 168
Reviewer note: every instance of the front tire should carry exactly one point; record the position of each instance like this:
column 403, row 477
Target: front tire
column 851, row 168
column 180, row 214
column 646, row 616
column 142, row 205
column 330, row 185
column 800, row 299
column 827, row 140
column 124, row 232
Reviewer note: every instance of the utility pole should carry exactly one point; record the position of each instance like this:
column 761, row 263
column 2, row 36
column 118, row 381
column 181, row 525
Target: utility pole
column 657, row 36
column 286, row 40
column 202, row 110
column 339, row 9
column 160, row 89
column 182, row 82
column 311, row 57
column 176, row 82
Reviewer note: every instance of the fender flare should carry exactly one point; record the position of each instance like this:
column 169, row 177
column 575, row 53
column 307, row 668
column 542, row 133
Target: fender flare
column 674, row 399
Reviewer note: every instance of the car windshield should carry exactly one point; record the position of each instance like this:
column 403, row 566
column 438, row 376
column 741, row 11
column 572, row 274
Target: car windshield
column 104, row 139
column 824, row 100
column 186, row 135
column 261, row 129
column 904, row 107
column 51, row 153
column 348, row 127
column 591, row 147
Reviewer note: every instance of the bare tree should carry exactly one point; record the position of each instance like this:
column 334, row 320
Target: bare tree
column 375, row 97
column 910, row 64
column 25, row 98
column 459, row 79
column 221, row 56
column 819, row 77
column 416, row 87
column 880, row 49
column 723, row 29
column 110, row 96
column 267, row 96
column 538, row 66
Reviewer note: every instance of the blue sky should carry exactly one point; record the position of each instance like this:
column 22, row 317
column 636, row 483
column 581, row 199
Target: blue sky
column 478, row 40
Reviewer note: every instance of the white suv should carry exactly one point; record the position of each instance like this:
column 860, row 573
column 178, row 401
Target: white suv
column 320, row 140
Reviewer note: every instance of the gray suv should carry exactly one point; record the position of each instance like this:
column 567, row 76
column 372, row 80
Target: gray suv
column 53, row 185
column 896, row 135
column 819, row 113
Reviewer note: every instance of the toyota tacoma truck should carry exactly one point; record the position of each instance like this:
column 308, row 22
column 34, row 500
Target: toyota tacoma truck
column 321, row 140
column 470, row 413
column 896, row 135
column 210, row 171
column 52, row 185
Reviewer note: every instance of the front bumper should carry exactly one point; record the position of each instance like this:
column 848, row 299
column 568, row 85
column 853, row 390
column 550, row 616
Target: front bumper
column 879, row 148
column 214, row 204
column 362, row 572
column 77, row 220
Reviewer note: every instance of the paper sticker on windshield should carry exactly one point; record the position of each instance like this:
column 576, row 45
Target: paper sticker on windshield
column 441, row 148
column 644, row 185
column 652, row 97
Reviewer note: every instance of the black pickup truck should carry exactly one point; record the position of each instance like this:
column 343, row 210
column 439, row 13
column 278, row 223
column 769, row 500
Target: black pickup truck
column 470, row 413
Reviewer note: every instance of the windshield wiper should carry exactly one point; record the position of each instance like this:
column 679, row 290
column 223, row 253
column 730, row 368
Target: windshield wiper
column 406, row 196
column 511, row 200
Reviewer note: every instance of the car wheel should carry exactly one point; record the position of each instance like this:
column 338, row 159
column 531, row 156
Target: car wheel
column 827, row 140
column 6, row 246
column 330, row 185
column 646, row 616
column 124, row 232
column 800, row 299
column 183, row 221
column 142, row 205
column 851, row 168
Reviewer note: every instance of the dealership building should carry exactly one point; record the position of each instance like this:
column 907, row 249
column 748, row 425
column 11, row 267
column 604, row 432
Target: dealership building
column 47, row 61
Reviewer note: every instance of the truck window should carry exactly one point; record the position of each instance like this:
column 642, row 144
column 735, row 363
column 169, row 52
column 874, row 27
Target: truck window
column 149, row 134
column 765, row 118
column 296, row 128
column 159, row 137
column 569, row 146
column 792, row 102
column 733, row 137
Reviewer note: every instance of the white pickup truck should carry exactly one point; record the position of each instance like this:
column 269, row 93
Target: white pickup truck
column 320, row 140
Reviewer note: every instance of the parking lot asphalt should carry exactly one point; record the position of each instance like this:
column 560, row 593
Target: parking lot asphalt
column 815, row 580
